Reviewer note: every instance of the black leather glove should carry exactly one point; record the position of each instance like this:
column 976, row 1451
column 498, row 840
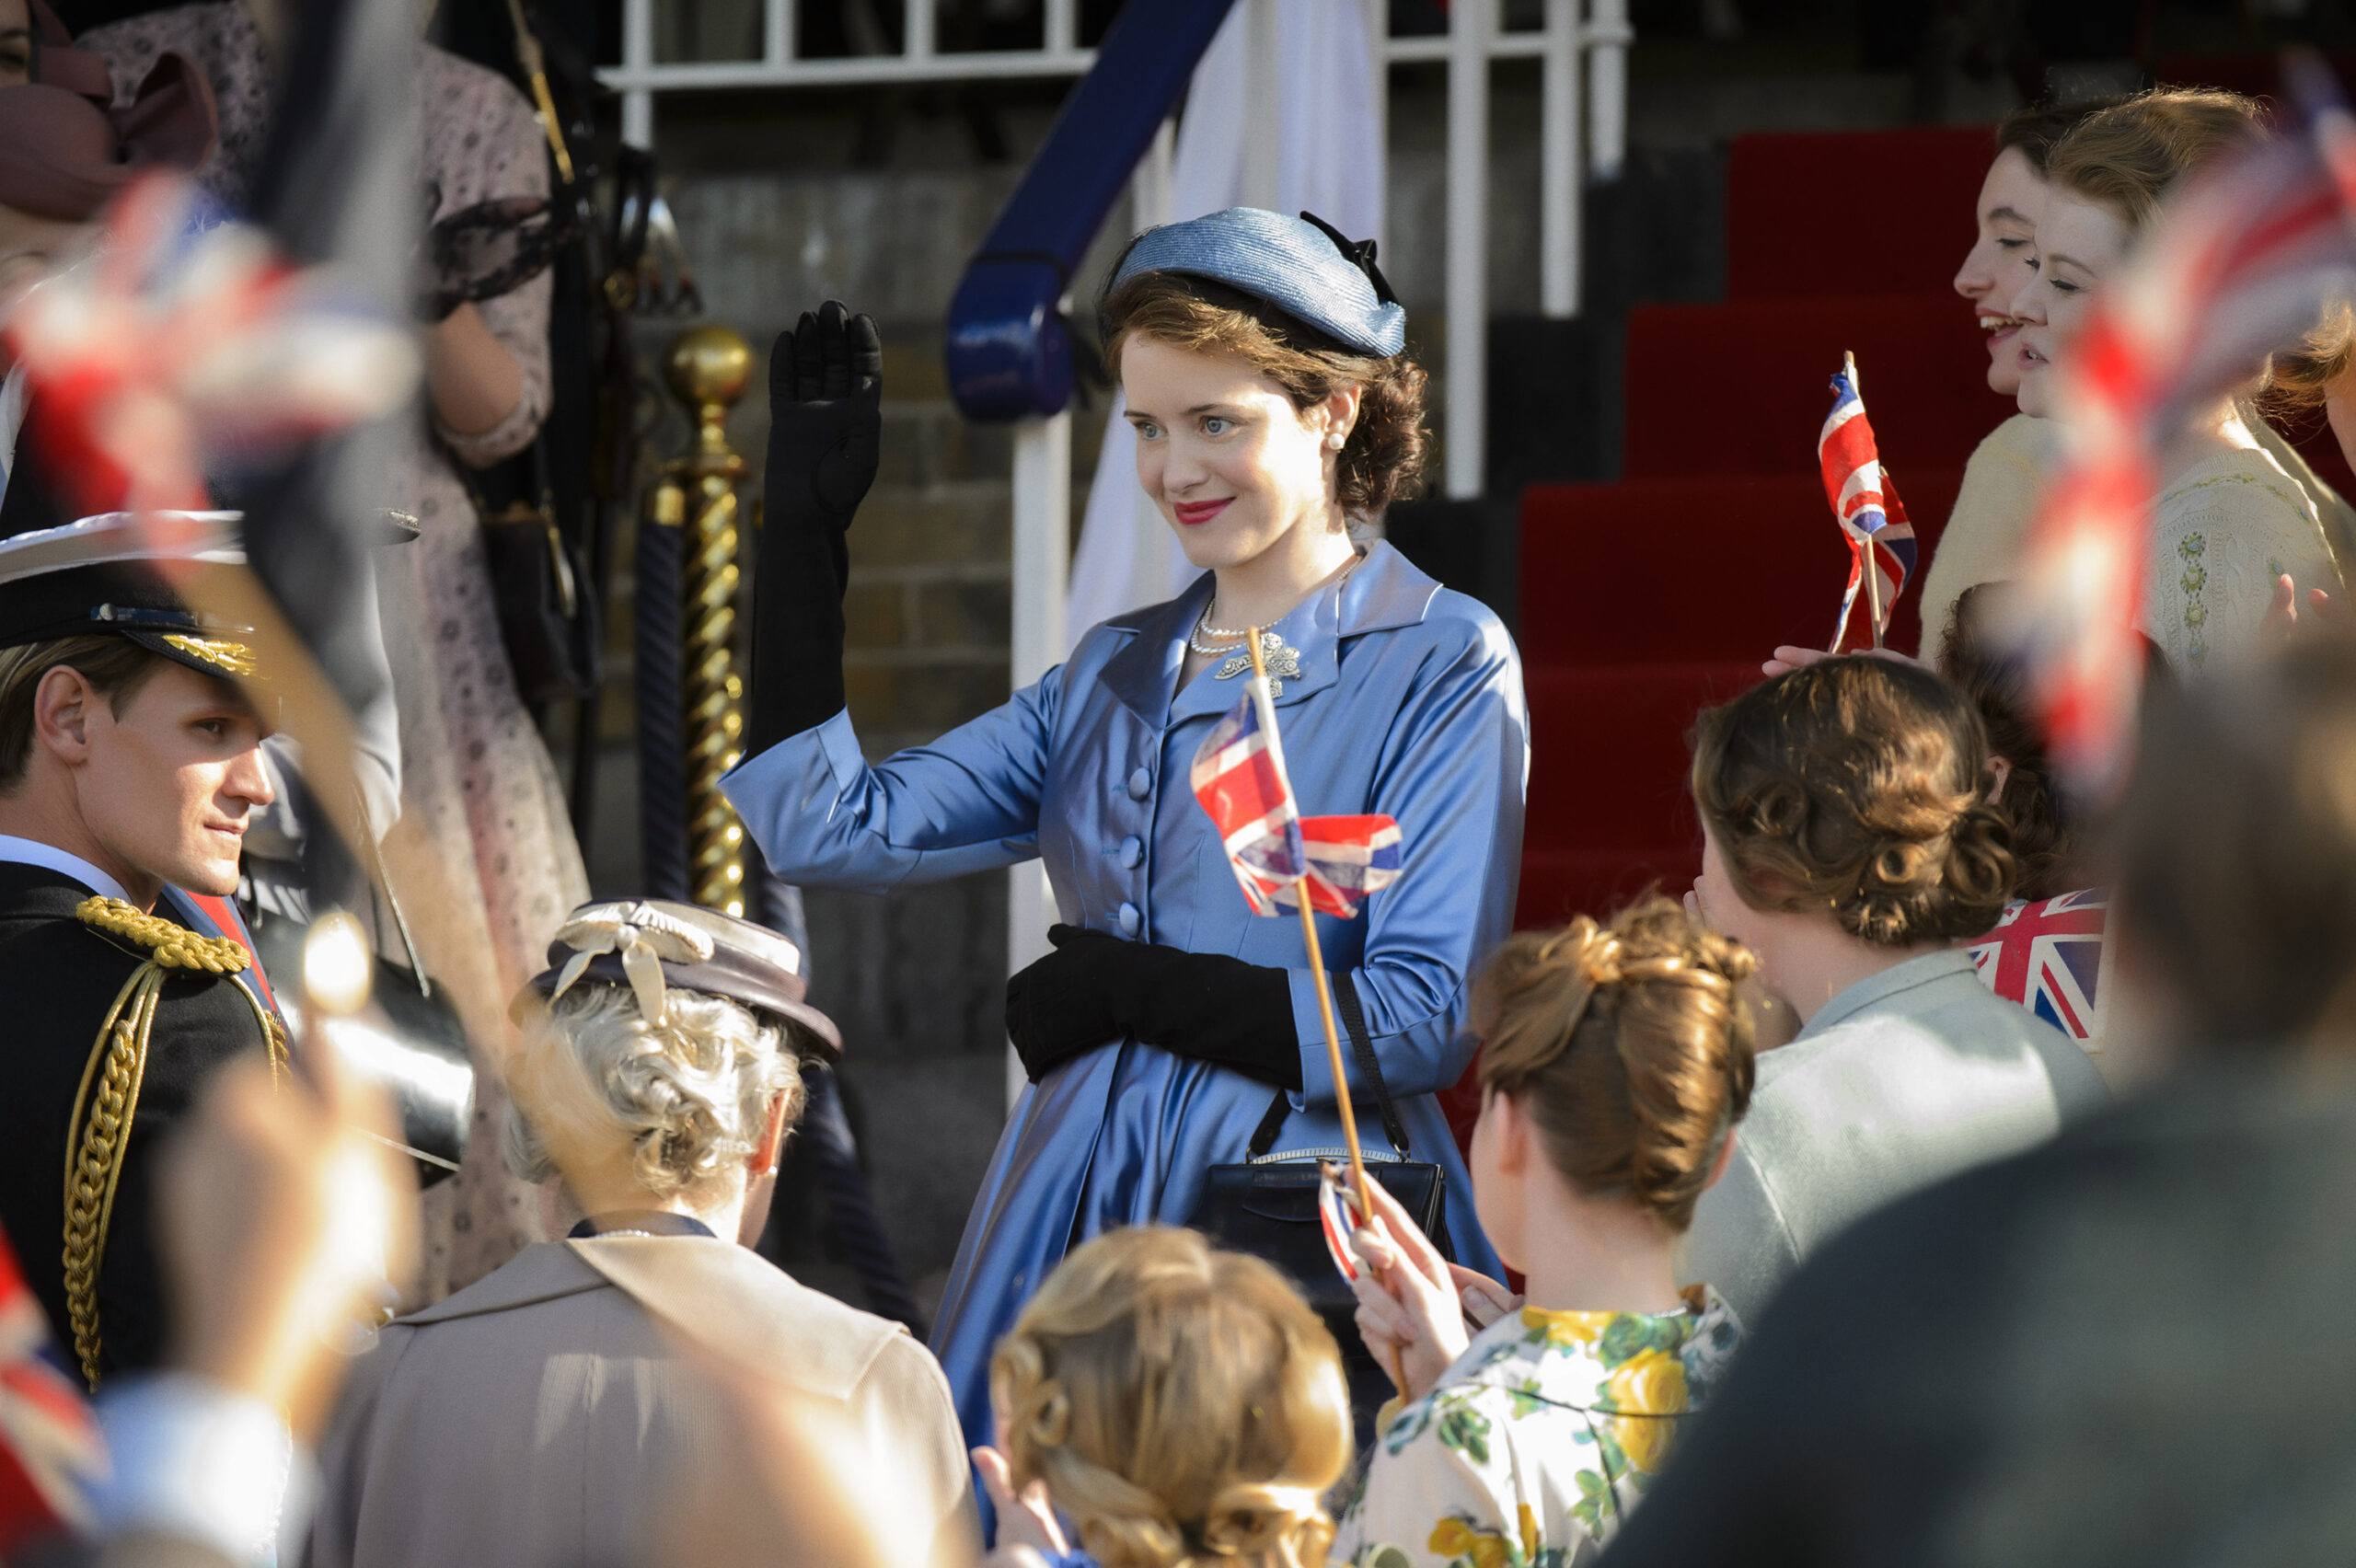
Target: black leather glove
column 826, row 431
column 1095, row 988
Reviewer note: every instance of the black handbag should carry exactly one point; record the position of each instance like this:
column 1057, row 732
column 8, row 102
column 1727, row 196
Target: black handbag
column 548, row 619
column 1267, row 1205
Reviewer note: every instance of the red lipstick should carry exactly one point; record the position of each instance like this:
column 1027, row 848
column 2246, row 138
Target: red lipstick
column 1195, row 513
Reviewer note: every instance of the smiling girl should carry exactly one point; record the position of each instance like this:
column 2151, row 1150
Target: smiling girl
column 1264, row 365
column 2229, row 522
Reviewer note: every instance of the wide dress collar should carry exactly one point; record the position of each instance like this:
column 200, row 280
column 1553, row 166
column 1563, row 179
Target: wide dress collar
column 1387, row 589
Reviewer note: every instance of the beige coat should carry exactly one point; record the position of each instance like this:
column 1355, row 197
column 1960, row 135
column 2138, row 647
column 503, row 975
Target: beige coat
column 555, row 1412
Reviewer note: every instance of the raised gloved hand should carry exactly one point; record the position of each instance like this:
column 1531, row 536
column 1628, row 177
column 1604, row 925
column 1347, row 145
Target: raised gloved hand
column 826, row 431
column 1095, row 988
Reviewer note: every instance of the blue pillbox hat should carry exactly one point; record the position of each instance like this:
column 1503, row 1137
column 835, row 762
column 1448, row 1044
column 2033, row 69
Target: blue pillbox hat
column 1301, row 266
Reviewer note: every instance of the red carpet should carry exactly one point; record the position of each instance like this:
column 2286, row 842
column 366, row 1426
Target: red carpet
column 1646, row 600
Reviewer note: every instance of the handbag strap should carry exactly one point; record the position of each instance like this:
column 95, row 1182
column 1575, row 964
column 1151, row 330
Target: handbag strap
column 1345, row 1002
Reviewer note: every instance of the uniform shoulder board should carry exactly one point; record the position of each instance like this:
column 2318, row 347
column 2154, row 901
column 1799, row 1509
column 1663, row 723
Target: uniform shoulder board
column 169, row 945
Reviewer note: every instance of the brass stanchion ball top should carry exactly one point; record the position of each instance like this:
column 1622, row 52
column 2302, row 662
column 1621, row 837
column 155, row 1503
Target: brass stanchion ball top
column 709, row 364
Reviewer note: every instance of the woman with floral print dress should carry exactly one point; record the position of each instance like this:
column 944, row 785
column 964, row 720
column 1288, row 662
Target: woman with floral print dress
column 1615, row 1063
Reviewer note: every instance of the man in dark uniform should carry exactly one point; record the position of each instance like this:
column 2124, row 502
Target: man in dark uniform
column 130, row 762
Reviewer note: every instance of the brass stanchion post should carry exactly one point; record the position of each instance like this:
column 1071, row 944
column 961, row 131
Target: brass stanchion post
column 707, row 369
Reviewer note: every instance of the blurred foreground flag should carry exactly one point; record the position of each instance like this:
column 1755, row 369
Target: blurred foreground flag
column 50, row 1448
column 2240, row 265
column 1865, row 504
column 1239, row 776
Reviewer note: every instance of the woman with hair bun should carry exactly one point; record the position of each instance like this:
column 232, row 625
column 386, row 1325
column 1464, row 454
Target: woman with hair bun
column 1180, row 1405
column 1848, row 840
column 1616, row 1060
column 1264, row 365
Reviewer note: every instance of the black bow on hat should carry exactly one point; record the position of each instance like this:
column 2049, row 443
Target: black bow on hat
column 1361, row 256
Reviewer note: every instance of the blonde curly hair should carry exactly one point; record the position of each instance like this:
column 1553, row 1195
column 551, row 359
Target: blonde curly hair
column 1627, row 1046
column 1183, row 1405
column 691, row 1094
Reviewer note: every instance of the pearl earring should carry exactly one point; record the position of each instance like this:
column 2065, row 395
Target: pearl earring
column 1337, row 441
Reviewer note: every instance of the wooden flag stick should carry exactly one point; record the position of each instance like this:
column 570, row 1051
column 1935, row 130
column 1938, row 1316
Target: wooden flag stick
column 1873, row 593
column 1317, row 976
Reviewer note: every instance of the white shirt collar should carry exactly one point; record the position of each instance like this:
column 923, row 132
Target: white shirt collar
column 32, row 852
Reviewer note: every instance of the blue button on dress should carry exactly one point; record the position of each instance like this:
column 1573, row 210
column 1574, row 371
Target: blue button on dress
column 1409, row 702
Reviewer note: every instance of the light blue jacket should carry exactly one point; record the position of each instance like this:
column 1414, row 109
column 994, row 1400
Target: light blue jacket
column 1409, row 702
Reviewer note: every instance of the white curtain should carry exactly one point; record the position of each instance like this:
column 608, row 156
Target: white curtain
column 1281, row 114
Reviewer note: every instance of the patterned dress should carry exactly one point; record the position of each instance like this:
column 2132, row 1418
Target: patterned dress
column 1538, row 1440
column 484, row 854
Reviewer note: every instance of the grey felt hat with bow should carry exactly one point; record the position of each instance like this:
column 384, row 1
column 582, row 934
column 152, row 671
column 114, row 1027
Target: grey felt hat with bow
column 651, row 945
column 1303, row 266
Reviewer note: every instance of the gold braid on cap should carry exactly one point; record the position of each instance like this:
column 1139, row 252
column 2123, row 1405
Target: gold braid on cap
column 100, row 1131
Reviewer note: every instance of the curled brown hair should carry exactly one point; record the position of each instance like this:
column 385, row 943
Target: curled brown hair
column 2032, row 131
column 2128, row 156
column 1857, row 787
column 1183, row 1404
column 2044, row 830
column 1383, row 459
column 1628, row 1048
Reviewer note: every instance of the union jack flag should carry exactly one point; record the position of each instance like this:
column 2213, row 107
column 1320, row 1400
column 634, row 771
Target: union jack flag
column 1864, row 502
column 51, row 1452
column 2048, row 957
column 177, row 345
column 1239, row 776
column 2239, row 266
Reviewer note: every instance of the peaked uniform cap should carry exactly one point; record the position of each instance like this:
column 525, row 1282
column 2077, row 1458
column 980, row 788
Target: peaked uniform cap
column 100, row 576
column 1294, row 264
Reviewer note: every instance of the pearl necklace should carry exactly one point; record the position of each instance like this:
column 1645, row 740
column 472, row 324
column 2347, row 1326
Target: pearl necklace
column 1203, row 626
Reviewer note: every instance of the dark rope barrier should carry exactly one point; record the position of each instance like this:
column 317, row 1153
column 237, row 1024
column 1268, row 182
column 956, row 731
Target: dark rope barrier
column 851, row 1206
column 660, row 678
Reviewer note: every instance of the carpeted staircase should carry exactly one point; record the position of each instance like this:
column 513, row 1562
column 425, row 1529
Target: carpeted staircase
column 1646, row 599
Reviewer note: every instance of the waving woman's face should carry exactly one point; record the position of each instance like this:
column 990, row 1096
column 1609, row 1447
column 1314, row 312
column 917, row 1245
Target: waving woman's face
column 2079, row 244
column 1233, row 466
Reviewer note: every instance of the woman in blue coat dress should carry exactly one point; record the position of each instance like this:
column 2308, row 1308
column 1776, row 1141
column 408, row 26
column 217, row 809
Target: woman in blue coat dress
column 1263, row 366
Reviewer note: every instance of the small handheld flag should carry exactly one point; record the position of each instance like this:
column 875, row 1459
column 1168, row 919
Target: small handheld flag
column 1239, row 776
column 1310, row 863
column 1864, row 502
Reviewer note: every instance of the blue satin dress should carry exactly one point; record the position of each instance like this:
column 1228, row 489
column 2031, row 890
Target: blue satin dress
column 1409, row 701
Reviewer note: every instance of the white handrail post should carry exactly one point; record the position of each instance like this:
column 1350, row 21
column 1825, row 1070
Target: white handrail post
column 776, row 32
column 1062, row 35
column 1469, row 27
column 916, row 32
column 1377, row 44
column 1558, row 163
column 1608, row 38
column 1041, row 566
column 1262, row 89
column 637, row 54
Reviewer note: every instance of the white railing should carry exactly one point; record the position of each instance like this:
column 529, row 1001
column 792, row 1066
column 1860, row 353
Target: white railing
column 1601, row 37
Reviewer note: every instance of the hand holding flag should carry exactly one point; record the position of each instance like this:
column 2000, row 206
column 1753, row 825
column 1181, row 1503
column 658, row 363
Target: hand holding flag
column 1864, row 502
column 1282, row 857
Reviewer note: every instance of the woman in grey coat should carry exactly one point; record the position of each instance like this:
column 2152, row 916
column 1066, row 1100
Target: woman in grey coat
column 1849, row 843
column 563, row 1409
